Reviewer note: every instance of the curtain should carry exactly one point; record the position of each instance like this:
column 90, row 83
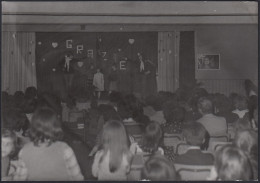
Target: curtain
column 167, row 77
column 18, row 61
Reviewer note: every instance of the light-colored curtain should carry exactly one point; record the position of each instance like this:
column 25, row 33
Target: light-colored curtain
column 18, row 61
column 167, row 79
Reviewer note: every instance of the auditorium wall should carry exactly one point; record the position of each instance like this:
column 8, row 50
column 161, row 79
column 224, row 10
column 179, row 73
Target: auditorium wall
column 238, row 49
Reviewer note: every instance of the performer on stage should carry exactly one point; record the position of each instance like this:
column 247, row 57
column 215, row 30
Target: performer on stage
column 147, row 72
column 68, row 70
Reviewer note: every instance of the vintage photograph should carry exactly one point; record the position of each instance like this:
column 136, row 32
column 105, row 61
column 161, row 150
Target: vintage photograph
column 209, row 61
column 129, row 91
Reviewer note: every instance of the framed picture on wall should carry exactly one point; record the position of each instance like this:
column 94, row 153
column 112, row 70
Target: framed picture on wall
column 208, row 61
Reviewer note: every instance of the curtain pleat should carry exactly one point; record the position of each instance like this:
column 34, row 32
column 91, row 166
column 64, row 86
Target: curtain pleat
column 166, row 61
column 18, row 61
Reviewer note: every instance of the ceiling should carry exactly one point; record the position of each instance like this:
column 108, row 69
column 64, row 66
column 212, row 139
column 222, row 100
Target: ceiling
column 130, row 12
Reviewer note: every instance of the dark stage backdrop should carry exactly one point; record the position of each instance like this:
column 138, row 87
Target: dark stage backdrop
column 101, row 49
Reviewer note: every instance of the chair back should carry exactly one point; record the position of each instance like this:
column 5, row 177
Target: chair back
column 133, row 128
column 172, row 139
column 76, row 115
column 218, row 145
column 136, row 167
column 182, row 147
column 223, row 138
column 231, row 132
column 193, row 172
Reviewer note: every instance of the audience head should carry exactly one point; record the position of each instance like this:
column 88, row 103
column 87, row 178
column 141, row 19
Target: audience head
column 15, row 119
column 240, row 102
column 246, row 140
column 232, row 97
column 174, row 114
column 242, row 124
column 19, row 98
column 231, row 163
column 223, row 103
column 159, row 168
column 30, row 92
column 115, row 97
column 205, row 106
column 152, row 137
column 194, row 134
column 115, row 140
column 9, row 141
column 45, row 127
column 108, row 112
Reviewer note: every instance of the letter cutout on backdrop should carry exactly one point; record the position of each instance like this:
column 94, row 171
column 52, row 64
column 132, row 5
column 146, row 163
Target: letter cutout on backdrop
column 69, row 43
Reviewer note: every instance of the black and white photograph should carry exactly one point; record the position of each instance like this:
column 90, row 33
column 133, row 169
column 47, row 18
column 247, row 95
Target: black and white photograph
column 129, row 90
column 209, row 61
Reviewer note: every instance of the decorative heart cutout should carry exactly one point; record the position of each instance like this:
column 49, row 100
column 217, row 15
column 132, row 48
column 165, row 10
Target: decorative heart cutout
column 131, row 41
column 54, row 44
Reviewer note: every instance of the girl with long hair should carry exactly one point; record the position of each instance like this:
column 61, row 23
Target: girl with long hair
column 112, row 162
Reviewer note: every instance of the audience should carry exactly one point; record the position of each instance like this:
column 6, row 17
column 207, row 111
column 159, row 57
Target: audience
column 215, row 125
column 158, row 168
column 9, row 141
column 231, row 163
column 36, row 132
column 46, row 157
column 174, row 119
column 152, row 140
column 112, row 162
column 195, row 136
column 241, row 106
column 247, row 141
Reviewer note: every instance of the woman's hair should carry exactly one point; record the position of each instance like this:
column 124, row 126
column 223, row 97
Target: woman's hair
column 152, row 137
column 240, row 102
column 174, row 114
column 242, row 124
column 115, row 140
column 159, row 168
column 246, row 140
column 14, row 119
column 30, row 92
column 7, row 133
column 231, row 163
column 108, row 112
column 45, row 125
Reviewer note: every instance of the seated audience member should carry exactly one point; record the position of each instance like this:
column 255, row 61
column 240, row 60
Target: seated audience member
column 148, row 109
column 107, row 112
column 151, row 141
column 158, row 115
column 232, row 98
column 247, row 141
column 112, row 162
column 241, row 125
column 231, row 164
column 174, row 120
column 114, row 99
column 9, row 141
column 46, row 157
column 15, row 120
column 215, row 125
column 195, row 136
column 30, row 92
column 241, row 107
column 224, row 106
column 158, row 168
column 250, row 88
column 19, row 99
